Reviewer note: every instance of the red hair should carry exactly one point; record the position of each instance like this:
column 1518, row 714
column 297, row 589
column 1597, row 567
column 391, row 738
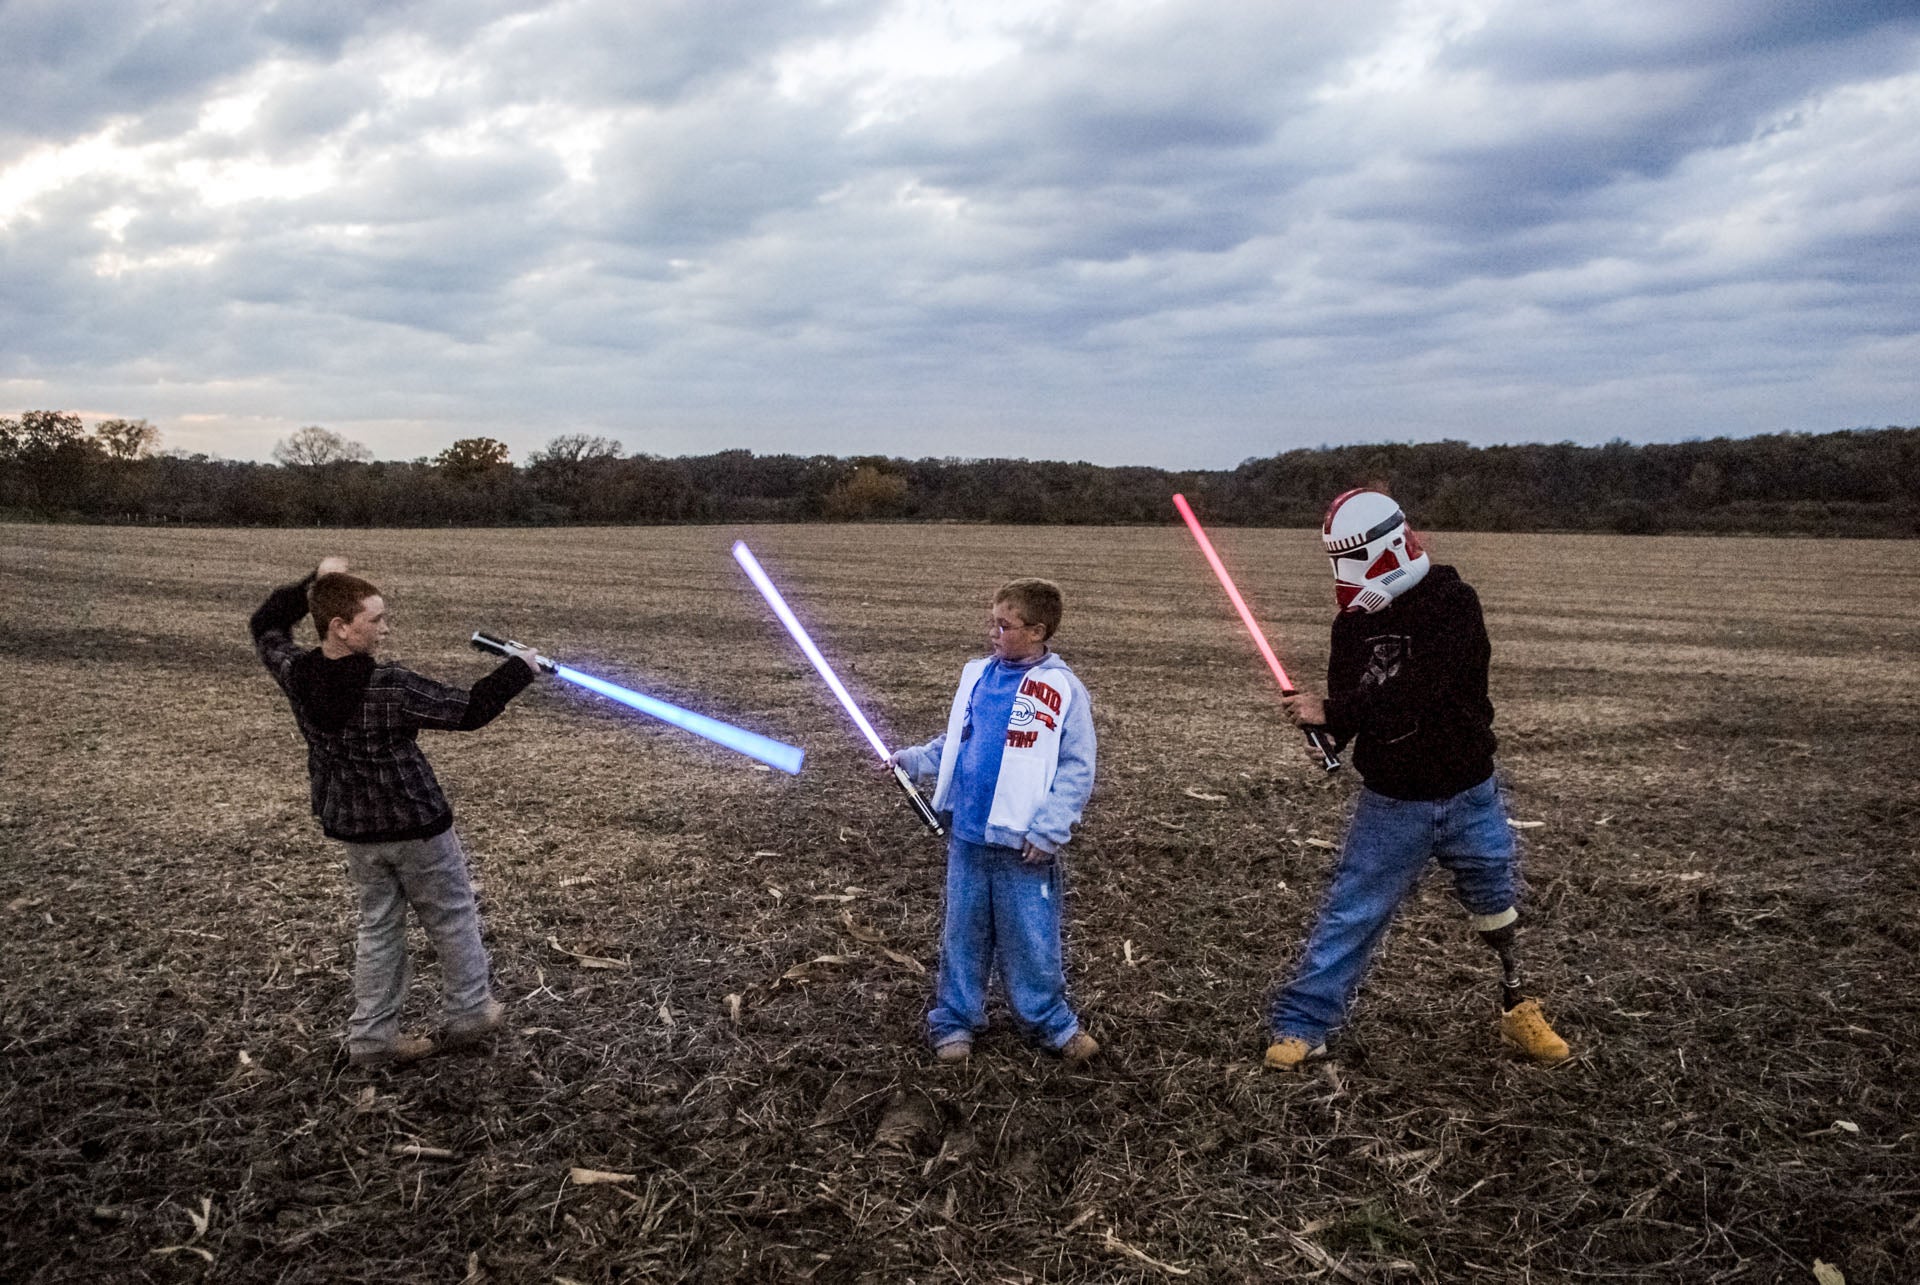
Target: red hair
column 337, row 595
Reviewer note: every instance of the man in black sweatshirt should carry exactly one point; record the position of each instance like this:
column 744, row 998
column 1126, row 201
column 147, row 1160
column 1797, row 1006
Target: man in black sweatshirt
column 373, row 790
column 1407, row 683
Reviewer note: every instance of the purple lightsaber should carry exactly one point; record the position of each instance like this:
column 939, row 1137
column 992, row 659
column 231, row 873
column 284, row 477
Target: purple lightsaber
column 751, row 565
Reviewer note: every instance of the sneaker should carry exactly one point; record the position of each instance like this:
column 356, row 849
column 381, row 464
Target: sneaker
column 464, row 1032
column 955, row 1050
column 1078, row 1049
column 1290, row 1053
column 404, row 1049
column 1525, row 1027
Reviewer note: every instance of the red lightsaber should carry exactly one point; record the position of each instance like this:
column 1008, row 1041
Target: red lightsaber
column 1318, row 740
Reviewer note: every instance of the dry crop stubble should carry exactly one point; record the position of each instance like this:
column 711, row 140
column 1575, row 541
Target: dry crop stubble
column 716, row 973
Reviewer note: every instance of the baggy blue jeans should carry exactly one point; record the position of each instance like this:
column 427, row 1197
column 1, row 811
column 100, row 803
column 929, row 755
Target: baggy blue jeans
column 1001, row 910
column 1387, row 848
column 431, row 876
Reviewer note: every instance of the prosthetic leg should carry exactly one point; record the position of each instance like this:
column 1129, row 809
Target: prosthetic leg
column 1522, row 1023
column 1500, row 941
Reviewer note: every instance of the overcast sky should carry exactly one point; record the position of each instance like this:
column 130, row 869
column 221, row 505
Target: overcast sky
column 1180, row 233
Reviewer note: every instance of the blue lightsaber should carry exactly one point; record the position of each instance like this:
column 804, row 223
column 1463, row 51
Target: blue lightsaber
column 769, row 751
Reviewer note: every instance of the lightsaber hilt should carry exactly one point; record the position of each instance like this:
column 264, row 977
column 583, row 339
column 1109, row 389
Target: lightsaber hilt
column 504, row 647
column 920, row 805
column 1321, row 742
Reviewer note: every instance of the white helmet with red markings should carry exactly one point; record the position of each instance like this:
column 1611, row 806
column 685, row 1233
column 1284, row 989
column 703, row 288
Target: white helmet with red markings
column 1376, row 556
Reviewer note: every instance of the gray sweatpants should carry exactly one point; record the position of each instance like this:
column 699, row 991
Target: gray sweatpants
column 431, row 876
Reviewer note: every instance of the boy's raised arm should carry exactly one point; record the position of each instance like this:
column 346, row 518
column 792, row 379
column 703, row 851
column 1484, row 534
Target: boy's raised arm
column 272, row 625
column 273, row 621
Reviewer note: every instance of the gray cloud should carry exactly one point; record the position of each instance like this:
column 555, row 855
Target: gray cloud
column 1178, row 233
column 71, row 67
column 652, row 53
column 1590, row 38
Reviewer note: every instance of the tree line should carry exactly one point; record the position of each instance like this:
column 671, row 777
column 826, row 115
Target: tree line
column 1862, row 482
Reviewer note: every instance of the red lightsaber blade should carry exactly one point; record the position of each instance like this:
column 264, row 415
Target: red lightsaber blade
column 1318, row 740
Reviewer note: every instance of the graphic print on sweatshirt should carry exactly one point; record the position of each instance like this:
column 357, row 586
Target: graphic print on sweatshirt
column 1036, row 703
column 1388, row 655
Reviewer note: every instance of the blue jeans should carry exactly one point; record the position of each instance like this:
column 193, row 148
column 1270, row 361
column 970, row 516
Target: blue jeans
column 1387, row 848
column 1000, row 910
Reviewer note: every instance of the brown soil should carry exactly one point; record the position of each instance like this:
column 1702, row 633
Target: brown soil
column 1716, row 737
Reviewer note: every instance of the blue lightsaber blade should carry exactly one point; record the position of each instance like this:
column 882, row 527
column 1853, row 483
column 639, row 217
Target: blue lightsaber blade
column 764, row 748
column 751, row 565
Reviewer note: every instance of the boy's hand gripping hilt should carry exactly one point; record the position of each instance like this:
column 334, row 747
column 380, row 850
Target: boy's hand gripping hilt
column 504, row 647
column 1322, row 744
column 927, row 817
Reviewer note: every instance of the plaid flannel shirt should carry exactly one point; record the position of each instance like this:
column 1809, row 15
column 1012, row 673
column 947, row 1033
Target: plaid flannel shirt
column 371, row 782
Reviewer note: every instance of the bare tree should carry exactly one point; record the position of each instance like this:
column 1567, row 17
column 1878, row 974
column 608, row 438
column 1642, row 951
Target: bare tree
column 575, row 448
column 573, row 472
column 127, row 439
column 314, row 445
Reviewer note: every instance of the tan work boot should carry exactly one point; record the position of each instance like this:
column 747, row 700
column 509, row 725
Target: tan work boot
column 1290, row 1053
column 404, row 1049
column 955, row 1050
column 467, row 1031
column 1078, row 1049
column 1525, row 1027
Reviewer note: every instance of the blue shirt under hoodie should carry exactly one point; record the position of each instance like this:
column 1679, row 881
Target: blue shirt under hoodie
column 975, row 779
column 977, row 771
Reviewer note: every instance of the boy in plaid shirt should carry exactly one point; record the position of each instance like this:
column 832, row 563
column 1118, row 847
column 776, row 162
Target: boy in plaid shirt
column 374, row 792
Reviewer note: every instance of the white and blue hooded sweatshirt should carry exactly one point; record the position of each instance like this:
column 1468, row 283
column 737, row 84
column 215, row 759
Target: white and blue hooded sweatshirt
column 1016, row 761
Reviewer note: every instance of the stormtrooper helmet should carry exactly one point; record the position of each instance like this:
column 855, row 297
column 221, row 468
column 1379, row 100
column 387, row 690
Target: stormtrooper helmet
column 1376, row 556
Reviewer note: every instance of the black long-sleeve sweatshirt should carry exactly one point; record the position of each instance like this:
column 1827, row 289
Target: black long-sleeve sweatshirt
column 371, row 782
column 1408, row 684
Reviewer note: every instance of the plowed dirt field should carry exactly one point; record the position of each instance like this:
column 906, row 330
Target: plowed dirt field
column 717, row 974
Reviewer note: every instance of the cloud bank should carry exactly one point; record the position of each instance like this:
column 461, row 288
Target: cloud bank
column 1167, row 233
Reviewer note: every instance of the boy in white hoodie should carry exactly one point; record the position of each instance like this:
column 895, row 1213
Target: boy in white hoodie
column 1013, row 771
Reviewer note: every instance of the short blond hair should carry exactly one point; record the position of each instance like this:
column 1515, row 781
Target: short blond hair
column 1038, row 601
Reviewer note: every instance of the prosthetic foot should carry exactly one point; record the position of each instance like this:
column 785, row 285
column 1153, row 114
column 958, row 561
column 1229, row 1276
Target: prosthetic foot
column 1522, row 1024
column 1525, row 1027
